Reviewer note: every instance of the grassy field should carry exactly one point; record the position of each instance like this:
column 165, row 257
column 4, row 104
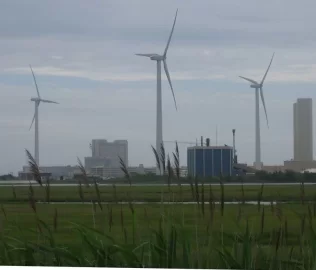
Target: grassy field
column 205, row 230
column 156, row 193
column 159, row 235
column 278, row 236
column 114, row 218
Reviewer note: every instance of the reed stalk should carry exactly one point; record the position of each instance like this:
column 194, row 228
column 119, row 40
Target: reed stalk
column 34, row 169
column 82, row 169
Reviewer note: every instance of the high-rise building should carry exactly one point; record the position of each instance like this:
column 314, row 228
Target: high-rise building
column 112, row 150
column 107, row 154
column 303, row 129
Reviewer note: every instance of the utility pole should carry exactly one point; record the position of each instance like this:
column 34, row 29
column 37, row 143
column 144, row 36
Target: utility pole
column 216, row 135
column 234, row 147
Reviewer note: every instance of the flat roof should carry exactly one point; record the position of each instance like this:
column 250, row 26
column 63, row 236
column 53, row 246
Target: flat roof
column 210, row 147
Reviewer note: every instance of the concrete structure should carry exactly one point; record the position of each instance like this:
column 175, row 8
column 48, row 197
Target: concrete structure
column 97, row 171
column 29, row 176
column 303, row 129
column 106, row 172
column 210, row 161
column 137, row 169
column 298, row 166
column 302, row 137
column 92, row 162
column 183, row 171
column 309, row 171
column 272, row 168
column 111, row 150
column 54, row 172
column 150, row 170
column 243, row 168
column 107, row 155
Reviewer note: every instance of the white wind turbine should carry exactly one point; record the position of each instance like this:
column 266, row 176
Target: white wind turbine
column 159, row 58
column 37, row 102
column 258, row 87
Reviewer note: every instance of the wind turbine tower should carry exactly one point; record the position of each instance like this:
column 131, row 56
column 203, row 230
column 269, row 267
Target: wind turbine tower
column 37, row 102
column 161, row 58
column 258, row 89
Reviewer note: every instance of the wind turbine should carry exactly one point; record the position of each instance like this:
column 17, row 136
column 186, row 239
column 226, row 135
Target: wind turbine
column 258, row 87
column 161, row 58
column 37, row 102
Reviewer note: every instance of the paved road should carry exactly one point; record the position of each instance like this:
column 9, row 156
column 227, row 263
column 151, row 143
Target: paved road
column 26, row 183
column 168, row 203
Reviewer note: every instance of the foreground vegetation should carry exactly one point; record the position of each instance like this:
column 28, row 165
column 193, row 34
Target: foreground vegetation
column 203, row 235
column 154, row 193
column 178, row 236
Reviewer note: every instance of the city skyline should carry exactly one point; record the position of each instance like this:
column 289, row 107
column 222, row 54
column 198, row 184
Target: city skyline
column 104, row 92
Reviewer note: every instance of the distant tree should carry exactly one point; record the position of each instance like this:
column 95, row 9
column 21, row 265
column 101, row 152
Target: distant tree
column 262, row 175
column 290, row 176
column 135, row 174
column 308, row 177
column 7, row 177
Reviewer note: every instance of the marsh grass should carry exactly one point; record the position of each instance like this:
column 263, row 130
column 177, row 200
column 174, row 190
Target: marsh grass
column 34, row 169
column 81, row 194
column 162, row 159
column 14, row 193
column 157, row 159
column 84, row 175
column 125, row 171
column 167, row 243
column 47, row 190
column 260, row 193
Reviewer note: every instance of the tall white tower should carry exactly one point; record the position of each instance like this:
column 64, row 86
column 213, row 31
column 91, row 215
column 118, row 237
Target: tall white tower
column 303, row 129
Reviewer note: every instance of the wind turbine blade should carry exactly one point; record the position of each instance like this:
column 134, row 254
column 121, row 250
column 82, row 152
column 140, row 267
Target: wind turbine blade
column 145, row 54
column 168, row 76
column 265, row 75
column 32, row 121
column 35, row 83
column 264, row 105
column 249, row 80
column 174, row 22
column 48, row 101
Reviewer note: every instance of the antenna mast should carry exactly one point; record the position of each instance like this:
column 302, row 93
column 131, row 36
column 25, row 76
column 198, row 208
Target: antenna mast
column 216, row 135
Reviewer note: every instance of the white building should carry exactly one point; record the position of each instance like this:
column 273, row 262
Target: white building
column 110, row 150
column 93, row 162
column 107, row 155
column 303, row 136
column 303, row 129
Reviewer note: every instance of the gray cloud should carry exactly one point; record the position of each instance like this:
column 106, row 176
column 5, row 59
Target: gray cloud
column 83, row 55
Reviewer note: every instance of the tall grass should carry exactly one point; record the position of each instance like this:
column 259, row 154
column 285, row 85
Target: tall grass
column 34, row 169
column 84, row 175
column 169, row 243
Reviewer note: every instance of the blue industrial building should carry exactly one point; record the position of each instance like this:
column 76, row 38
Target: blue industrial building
column 207, row 161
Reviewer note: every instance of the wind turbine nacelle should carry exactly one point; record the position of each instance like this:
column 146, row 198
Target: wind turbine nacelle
column 255, row 86
column 157, row 57
column 35, row 99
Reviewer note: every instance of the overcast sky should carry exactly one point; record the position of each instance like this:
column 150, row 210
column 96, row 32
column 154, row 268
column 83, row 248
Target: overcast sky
column 83, row 54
